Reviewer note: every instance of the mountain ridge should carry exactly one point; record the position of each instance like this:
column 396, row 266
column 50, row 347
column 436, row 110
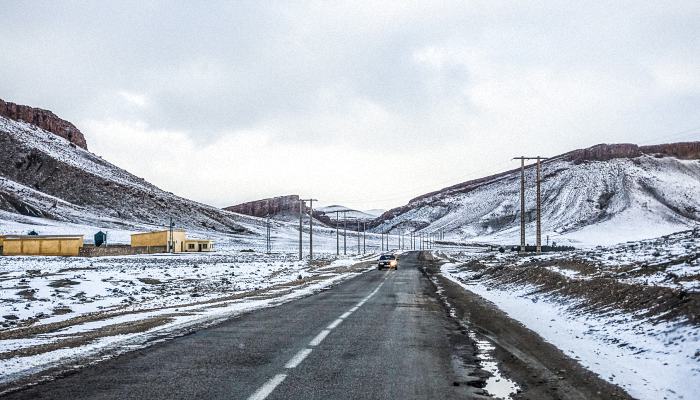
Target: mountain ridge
column 41, row 175
column 619, row 179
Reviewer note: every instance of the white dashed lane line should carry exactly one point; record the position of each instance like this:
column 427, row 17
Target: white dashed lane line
column 271, row 384
column 268, row 387
column 319, row 338
column 334, row 324
column 298, row 358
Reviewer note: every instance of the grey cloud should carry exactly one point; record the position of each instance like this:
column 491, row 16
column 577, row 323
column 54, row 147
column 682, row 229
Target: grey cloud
column 215, row 67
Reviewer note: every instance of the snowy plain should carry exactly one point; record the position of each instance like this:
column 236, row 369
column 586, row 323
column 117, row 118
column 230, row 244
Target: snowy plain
column 61, row 310
column 650, row 357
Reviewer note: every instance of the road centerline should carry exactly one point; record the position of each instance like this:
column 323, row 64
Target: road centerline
column 319, row 338
column 268, row 387
column 334, row 324
column 298, row 358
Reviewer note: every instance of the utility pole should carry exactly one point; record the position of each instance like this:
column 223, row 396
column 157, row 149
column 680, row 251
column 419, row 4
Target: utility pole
column 267, row 234
column 539, row 210
column 538, row 235
column 522, row 201
column 358, row 236
column 337, row 234
column 301, row 213
column 172, row 239
column 364, row 237
column 268, row 247
column 345, row 232
column 311, row 228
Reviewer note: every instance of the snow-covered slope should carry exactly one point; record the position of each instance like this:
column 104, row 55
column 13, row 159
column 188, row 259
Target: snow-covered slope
column 346, row 212
column 591, row 201
column 375, row 212
column 44, row 175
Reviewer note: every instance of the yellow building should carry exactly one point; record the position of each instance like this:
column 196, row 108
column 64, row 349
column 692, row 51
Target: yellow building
column 199, row 245
column 160, row 241
column 41, row 245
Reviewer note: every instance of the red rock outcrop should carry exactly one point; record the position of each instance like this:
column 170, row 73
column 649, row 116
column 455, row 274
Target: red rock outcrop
column 45, row 120
column 271, row 206
column 605, row 152
column 682, row 150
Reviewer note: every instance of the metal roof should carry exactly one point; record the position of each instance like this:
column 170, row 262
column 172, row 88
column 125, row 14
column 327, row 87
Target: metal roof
column 18, row 237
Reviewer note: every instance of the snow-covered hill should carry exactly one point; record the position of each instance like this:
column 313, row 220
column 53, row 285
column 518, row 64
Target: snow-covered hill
column 52, row 186
column 346, row 212
column 599, row 195
column 376, row 212
column 45, row 176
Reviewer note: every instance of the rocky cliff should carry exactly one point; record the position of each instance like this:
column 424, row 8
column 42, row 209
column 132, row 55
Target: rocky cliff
column 605, row 152
column 281, row 207
column 45, row 120
column 271, row 206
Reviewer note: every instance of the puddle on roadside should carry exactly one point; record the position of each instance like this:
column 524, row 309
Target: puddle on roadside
column 497, row 385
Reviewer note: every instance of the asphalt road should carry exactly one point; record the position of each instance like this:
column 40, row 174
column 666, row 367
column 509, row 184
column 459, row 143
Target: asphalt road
column 382, row 335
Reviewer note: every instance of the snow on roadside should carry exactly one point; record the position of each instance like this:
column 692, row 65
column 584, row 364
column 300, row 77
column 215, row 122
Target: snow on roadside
column 650, row 361
column 86, row 295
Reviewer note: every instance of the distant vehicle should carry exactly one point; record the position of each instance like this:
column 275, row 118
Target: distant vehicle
column 388, row 261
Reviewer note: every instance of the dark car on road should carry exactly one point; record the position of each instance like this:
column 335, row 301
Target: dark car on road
column 388, row 261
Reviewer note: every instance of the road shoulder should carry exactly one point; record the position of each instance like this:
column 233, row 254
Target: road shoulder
column 541, row 370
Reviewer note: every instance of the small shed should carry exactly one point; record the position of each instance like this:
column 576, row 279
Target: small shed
column 100, row 238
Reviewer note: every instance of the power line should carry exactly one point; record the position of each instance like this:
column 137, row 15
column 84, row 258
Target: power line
column 682, row 134
column 422, row 189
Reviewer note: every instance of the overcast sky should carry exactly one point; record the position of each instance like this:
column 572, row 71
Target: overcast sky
column 366, row 104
